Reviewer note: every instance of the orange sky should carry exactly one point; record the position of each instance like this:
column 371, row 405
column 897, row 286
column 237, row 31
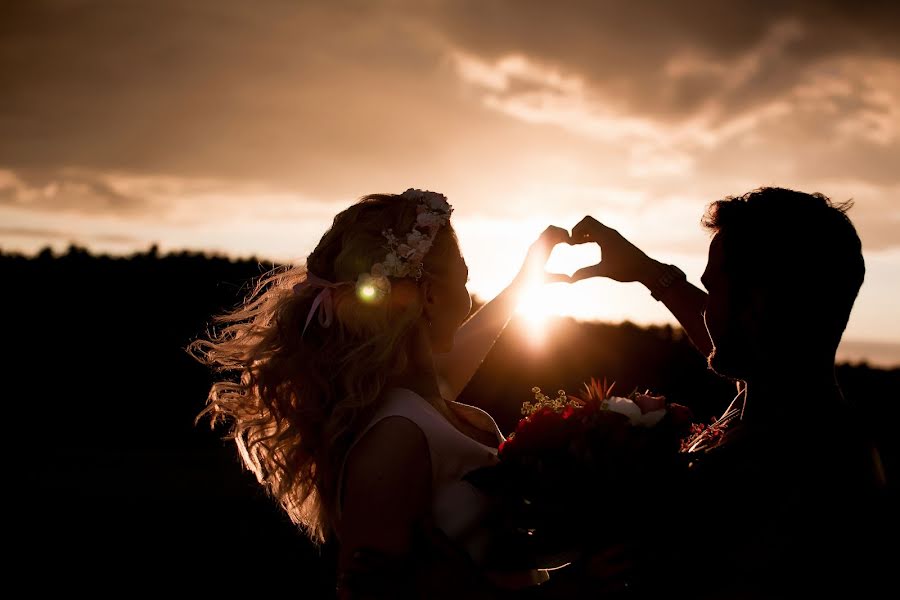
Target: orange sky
column 244, row 126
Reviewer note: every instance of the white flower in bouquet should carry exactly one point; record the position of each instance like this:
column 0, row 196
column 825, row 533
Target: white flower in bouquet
column 641, row 413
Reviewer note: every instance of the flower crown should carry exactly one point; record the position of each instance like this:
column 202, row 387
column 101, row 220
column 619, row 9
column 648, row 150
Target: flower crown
column 405, row 257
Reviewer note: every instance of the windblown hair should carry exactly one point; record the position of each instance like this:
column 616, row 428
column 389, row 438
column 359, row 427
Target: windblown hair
column 294, row 404
column 802, row 245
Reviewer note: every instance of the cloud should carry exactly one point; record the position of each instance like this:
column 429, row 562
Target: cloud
column 151, row 199
column 54, row 234
column 802, row 96
column 672, row 59
column 211, row 111
column 67, row 190
column 334, row 98
column 843, row 105
column 121, row 212
column 340, row 98
column 523, row 89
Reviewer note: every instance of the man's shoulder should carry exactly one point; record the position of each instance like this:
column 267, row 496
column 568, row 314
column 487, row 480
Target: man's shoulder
column 747, row 464
column 797, row 464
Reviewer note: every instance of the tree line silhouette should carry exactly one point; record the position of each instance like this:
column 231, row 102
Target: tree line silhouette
column 116, row 483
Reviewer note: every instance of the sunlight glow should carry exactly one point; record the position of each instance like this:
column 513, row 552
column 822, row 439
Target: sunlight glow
column 537, row 305
column 541, row 301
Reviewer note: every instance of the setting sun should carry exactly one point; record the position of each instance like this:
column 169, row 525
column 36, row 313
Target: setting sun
column 538, row 303
column 541, row 301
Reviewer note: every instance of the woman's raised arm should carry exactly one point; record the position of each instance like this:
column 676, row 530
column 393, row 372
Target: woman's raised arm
column 476, row 337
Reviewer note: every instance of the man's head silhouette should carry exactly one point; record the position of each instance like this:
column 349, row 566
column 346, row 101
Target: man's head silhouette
column 784, row 270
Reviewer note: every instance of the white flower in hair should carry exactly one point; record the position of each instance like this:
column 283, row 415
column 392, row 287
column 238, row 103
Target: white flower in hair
column 392, row 265
column 438, row 202
column 405, row 257
column 429, row 220
column 429, row 200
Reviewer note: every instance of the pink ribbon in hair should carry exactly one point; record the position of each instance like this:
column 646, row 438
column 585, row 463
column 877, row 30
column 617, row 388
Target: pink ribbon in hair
column 324, row 301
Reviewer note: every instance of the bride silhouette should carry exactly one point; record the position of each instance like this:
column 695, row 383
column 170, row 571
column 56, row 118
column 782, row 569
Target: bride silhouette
column 346, row 370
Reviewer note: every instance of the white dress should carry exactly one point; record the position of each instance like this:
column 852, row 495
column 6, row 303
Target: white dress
column 458, row 507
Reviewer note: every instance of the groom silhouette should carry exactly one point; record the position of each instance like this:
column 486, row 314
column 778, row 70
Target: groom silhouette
column 784, row 496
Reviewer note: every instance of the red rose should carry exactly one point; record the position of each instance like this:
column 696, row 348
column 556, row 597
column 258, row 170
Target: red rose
column 542, row 431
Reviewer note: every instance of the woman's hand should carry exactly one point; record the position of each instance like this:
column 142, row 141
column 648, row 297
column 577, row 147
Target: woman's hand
column 533, row 269
column 621, row 260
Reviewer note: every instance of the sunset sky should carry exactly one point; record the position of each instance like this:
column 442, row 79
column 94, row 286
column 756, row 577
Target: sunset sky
column 242, row 127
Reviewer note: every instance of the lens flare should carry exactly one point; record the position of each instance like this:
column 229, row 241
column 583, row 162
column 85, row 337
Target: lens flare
column 372, row 289
column 367, row 292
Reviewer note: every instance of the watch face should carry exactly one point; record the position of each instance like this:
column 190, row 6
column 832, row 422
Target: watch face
column 670, row 275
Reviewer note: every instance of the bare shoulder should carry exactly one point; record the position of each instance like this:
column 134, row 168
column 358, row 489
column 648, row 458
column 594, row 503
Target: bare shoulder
column 387, row 485
column 394, row 446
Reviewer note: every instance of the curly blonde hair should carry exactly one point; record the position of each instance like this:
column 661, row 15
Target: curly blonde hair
column 295, row 403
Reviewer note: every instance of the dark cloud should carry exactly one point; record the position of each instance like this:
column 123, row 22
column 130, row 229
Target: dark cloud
column 269, row 90
column 296, row 91
column 624, row 47
column 66, row 191
column 335, row 99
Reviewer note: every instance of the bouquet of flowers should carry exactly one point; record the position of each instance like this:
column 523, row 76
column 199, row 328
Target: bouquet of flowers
column 581, row 472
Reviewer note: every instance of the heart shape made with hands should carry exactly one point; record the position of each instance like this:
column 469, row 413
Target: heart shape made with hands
column 566, row 259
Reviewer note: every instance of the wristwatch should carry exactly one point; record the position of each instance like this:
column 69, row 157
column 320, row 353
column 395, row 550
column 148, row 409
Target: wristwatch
column 671, row 276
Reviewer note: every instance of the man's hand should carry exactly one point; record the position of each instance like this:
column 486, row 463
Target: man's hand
column 621, row 260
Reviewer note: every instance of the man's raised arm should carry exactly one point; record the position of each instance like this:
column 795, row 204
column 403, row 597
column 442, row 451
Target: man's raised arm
column 625, row 262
